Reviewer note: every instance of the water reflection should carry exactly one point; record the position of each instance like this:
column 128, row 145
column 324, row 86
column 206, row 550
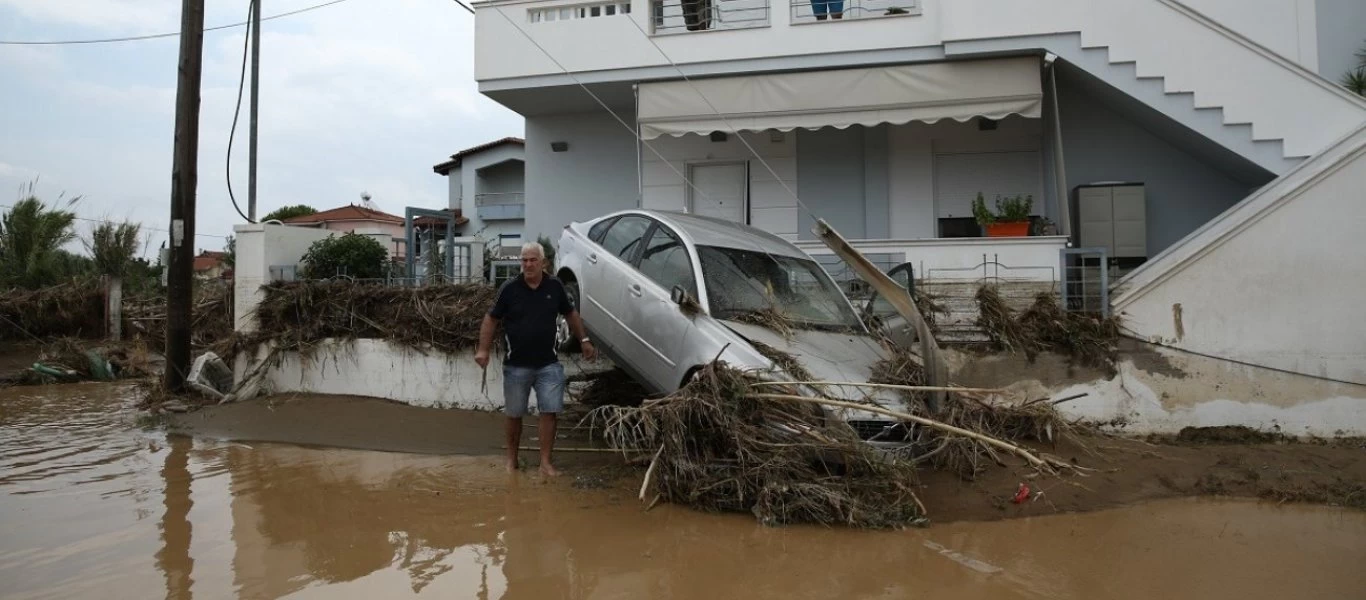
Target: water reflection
column 173, row 559
column 91, row 506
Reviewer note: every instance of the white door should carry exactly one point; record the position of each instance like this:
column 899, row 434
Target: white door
column 719, row 190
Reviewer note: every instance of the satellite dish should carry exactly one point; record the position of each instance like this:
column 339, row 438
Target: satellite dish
column 367, row 202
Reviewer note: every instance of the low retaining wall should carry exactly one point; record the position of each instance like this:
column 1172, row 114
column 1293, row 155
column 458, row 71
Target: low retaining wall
column 379, row 369
column 1162, row 390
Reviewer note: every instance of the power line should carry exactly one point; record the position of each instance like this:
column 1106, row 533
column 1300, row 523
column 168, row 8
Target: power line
column 154, row 36
column 241, row 80
column 144, row 227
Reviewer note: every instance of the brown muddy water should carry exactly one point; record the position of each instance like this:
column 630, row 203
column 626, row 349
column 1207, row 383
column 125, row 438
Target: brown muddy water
column 94, row 506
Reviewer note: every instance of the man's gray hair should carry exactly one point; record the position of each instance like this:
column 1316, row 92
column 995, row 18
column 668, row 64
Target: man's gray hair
column 535, row 246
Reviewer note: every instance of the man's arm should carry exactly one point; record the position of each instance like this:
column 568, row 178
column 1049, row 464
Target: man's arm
column 581, row 334
column 486, row 330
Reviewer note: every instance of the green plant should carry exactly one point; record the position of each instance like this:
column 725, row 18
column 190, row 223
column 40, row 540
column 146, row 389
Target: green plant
column 31, row 237
column 352, row 254
column 1010, row 209
column 1355, row 78
column 113, row 246
column 289, row 212
column 549, row 253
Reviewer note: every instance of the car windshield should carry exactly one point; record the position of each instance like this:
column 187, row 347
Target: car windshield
column 741, row 282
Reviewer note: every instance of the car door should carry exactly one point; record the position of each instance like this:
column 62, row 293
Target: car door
column 656, row 329
column 607, row 267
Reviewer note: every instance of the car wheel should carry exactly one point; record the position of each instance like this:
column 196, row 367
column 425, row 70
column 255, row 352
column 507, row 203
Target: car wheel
column 564, row 338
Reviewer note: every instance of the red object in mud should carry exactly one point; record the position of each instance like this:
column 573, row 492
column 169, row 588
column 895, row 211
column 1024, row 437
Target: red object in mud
column 1021, row 495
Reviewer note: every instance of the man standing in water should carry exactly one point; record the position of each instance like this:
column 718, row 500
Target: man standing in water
column 527, row 307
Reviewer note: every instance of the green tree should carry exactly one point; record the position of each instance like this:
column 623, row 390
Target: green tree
column 113, row 246
column 289, row 212
column 549, row 253
column 231, row 249
column 352, row 254
column 1355, row 79
column 31, row 237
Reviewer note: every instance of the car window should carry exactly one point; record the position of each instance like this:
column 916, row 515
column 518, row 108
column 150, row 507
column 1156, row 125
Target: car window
column 598, row 230
column 665, row 260
column 744, row 281
column 623, row 237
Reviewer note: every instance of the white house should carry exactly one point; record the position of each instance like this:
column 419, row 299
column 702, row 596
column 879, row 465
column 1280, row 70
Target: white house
column 487, row 188
column 1203, row 144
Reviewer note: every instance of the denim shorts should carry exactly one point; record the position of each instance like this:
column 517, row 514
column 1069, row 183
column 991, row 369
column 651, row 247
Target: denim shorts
column 821, row 7
column 519, row 381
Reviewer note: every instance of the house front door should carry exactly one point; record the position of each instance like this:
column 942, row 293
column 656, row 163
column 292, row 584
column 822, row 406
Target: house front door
column 719, row 190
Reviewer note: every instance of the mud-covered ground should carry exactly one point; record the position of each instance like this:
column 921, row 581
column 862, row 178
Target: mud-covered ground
column 1219, row 462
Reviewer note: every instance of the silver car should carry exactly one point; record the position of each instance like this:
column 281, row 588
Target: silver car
column 632, row 272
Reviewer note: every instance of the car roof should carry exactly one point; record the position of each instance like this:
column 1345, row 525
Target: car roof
column 711, row 231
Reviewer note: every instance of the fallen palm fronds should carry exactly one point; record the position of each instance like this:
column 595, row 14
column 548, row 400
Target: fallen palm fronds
column 614, row 388
column 768, row 318
column 72, row 309
column 1045, row 326
column 298, row 315
column 719, row 447
column 783, row 360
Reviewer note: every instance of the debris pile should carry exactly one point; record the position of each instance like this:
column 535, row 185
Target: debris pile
column 716, row 445
column 72, row 309
column 298, row 315
column 1045, row 326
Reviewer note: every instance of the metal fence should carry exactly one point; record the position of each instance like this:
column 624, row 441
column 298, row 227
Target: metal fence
column 810, row 11
column 499, row 198
column 465, row 267
column 687, row 16
column 1086, row 280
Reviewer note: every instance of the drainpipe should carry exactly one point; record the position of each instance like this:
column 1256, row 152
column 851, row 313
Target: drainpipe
column 640, row 179
column 1059, row 166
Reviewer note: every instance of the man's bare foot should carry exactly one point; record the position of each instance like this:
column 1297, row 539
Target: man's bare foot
column 549, row 470
column 512, row 465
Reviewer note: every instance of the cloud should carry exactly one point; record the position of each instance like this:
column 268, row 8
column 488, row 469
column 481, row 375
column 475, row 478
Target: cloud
column 363, row 96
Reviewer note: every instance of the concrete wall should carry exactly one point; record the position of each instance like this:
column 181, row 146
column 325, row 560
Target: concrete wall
column 771, row 207
column 1162, row 390
column 1278, row 282
column 830, row 173
column 1341, row 33
column 595, row 176
column 1286, row 27
column 1100, row 145
column 260, row 247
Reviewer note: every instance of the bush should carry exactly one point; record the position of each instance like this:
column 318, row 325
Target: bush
column 1008, row 210
column 289, row 212
column 352, row 254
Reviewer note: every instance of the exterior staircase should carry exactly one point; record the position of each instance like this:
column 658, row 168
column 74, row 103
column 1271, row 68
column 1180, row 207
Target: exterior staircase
column 1273, row 112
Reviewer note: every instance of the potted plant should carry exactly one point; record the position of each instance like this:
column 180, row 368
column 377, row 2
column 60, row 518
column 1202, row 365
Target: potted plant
column 1011, row 218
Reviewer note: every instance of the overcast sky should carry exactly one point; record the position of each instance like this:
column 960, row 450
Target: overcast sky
column 362, row 96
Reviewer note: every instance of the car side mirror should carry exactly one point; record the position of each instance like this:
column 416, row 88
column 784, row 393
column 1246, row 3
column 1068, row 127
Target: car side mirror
column 677, row 294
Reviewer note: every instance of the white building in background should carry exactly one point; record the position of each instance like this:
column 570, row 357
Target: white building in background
column 1204, row 145
column 487, row 188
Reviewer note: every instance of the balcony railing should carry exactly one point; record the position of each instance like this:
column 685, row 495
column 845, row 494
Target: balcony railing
column 813, row 11
column 688, row 16
column 499, row 198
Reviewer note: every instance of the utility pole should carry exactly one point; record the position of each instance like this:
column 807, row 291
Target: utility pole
column 184, row 180
column 255, row 100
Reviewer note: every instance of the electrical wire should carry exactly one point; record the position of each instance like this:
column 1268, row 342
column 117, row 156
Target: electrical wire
column 154, row 36
column 241, row 82
column 144, row 227
column 464, row 6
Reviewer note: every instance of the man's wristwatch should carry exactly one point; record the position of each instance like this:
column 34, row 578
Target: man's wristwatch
column 585, row 341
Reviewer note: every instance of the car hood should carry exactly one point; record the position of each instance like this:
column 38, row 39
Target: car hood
column 830, row 357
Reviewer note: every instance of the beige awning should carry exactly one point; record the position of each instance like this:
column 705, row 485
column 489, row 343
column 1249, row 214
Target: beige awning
column 961, row 90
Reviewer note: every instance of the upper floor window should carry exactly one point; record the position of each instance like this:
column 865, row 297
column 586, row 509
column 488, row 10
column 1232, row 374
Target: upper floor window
column 578, row 11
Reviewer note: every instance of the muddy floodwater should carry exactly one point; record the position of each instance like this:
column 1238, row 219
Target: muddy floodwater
column 92, row 505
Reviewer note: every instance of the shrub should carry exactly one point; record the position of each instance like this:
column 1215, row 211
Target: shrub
column 352, row 254
column 1009, row 209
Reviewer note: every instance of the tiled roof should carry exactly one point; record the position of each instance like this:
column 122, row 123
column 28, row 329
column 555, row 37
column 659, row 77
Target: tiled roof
column 454, row 162
column 349, row 212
